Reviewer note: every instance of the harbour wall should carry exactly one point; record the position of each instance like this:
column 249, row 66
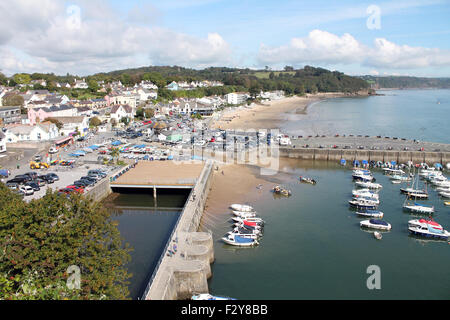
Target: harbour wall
column 369, row 155
column 184, row 266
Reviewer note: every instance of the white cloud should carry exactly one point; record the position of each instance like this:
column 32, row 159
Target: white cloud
column 91, row 39
column 326, row 48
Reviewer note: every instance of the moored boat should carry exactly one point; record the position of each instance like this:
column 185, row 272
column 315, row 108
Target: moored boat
column 238, row 241
column 418, row 208
column 243, row 235
column 369, row 185
column 307, row 180
column 377, row 235
column 375, row 224
column 428, row 230
column 363, row 204
column 370, row 213
column 255, row 220
column 242, row 207
column 244, row 215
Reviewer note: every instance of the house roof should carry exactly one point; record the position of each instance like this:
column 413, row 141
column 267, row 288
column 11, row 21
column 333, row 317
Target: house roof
column 66, row 120
column 126, row 107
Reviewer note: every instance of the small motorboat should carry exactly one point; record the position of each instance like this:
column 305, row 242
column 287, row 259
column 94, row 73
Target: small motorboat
column 375, row 224
column 444, row 194
column 370, row 214
column 244, row 235
column 396, row 182
column 428, row 229
column 257, row 221
column 368, row 185
column 243, row 230
column 244, row 215
column 369, row 198
column 390, row 171
column 238, row 241
column 307, row 180
column 400, row 178
column 207, row 296
column 242, row 207
column 363, row 204
column 365, row 192
column 377, row 235
column 447, row 203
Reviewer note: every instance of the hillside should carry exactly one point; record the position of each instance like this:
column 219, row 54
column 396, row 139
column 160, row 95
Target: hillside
column 403, row 82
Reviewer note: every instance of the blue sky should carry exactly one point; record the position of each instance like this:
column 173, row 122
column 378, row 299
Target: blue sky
column 413, row 37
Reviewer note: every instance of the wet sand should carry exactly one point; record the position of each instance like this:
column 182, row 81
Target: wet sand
column 269, row 115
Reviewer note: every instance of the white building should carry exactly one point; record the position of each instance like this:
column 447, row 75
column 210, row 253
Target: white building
column 236, row 97
column 38, row 132
column 73, row 124
column 121, row 111
column 2, row 142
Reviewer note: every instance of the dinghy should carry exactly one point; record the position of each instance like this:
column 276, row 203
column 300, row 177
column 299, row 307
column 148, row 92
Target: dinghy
column 377, row 235
column 307, row 180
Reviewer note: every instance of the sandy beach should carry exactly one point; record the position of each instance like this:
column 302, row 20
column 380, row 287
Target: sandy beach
column 269, row 115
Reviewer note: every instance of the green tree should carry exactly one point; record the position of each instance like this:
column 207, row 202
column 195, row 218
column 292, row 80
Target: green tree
column 13, row 100
column 93, row 85
column 22, row 78
column 41, row 239
column 95, row 122
column 3, row 79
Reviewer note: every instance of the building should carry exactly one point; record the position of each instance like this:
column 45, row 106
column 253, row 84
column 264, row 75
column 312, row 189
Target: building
column 40, row 114
column 71, row 125
column 2, row 142
column 236, row 97
column 10, row 115
column 121, row 111
column 80, row 84
column 39, row 132
column 172, row 86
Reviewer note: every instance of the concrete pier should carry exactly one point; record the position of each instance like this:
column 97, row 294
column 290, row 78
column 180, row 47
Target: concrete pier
column 184, row 267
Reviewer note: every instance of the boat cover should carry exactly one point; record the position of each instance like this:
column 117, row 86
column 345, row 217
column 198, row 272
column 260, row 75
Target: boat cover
column 379, row 222
column 249, row 224
column 434, row 230
column 242, row 240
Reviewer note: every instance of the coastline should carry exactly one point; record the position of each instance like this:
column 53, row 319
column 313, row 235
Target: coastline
column 271, row 115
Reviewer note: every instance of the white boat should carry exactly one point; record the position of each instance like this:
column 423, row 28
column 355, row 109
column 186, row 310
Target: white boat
column 445, row 189
column 375, row 224
column 400, row 178
column 238, row 241
column 256, row 220
column 390, row 171
column 396, row 182
column 369, row 185
column 377, row 235
column 365, row 192
column 444, row 194
column 363, row 204
column 370, row 214
column 243, row 230
column 418, row 208
column 368, row 198
column 243, row 235
column 207, row 296
column 244, row 215
column 427, row 228
column 242, row 207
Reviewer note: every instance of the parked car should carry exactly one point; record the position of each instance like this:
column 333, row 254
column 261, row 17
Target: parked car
column 89, row 180
column 53, row 175
column 81, row 183
column 47, row 179
column 76, row 188
column 32, row 174
column 33, row 185
column 27, row 190
column 40, row 182
column 12, row 185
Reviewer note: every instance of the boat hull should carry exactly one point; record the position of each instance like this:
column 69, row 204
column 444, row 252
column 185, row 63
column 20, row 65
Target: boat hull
column 430, row 235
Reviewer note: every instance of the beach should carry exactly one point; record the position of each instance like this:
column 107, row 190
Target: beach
column 269, row 115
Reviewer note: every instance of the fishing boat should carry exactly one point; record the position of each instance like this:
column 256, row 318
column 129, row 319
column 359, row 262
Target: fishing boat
column 281, row 191
column 307, row 180
column 207, row 296
column 369, row 185
column 363, row 204
column 370, row 213
column 377, row 235
column 238, row 241
column 242, row 207
column 375, row 224
column 427, row 228
column 244, row 215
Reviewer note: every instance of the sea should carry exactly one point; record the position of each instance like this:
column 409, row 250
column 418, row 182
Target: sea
column 313, row 246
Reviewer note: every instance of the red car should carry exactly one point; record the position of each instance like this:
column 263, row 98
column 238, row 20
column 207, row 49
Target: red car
column 76, row 189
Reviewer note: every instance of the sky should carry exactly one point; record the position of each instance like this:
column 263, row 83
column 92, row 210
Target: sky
column 84, row 37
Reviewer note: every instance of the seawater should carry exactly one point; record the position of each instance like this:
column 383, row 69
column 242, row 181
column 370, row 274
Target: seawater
column 146, row 226
column 412, row 114
column 313, row 246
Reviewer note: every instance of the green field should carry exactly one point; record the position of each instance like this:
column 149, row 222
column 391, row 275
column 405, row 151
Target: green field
column 265, row 74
